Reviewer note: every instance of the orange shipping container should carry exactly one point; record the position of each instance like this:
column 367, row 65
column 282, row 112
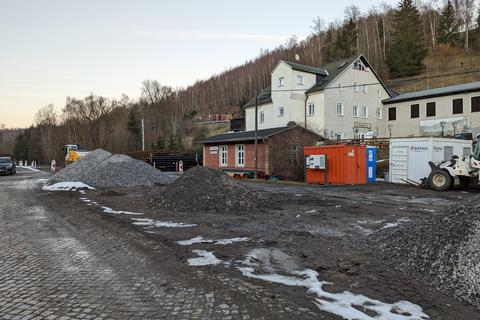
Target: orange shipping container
column 346, row 164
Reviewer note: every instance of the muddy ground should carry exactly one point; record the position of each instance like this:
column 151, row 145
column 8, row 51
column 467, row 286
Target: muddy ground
column 319, row 227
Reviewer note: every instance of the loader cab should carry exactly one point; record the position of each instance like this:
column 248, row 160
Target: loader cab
column 70, row 147
column 476, row 151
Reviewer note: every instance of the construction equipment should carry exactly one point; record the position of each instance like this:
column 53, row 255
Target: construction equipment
column 73, row 153
column 465, row 169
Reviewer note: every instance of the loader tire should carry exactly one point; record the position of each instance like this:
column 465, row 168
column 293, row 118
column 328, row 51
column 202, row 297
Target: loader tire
column 440, row 180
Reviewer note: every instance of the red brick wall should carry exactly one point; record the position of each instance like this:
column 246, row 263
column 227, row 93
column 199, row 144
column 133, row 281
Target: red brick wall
column 213, row 160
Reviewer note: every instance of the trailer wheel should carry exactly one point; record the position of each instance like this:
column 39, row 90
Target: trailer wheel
column 440, row 180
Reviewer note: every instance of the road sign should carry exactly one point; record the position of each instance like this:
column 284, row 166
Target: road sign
column 53, row 166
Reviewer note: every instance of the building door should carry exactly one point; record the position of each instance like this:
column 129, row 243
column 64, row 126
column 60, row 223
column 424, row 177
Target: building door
column 399, row 164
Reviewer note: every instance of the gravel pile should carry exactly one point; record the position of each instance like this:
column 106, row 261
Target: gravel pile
column 102, row 169
column 442, row 250
column 205, row 189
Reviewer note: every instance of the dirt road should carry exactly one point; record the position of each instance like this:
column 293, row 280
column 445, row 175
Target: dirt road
column 108, row 255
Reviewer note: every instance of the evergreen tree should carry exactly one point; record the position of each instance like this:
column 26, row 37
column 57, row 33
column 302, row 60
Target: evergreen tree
column 448, row 28
column 347, row 41
column 134, row 129
column 406, row 50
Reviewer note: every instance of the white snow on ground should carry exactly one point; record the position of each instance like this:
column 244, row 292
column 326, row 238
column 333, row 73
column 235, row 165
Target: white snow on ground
column 396, row 223
column 110, row 210
column 200, row 239
column 28, row 168
column 205, row 258
column 164, row 224
column 343, row 304
column 66, row 186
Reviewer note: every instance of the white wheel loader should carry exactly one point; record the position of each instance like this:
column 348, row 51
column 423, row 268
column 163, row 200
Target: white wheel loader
column 465, row 169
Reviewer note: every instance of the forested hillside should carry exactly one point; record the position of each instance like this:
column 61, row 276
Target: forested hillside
column 417, row 45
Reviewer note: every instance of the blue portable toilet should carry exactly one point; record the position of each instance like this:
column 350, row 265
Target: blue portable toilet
column 371, row 164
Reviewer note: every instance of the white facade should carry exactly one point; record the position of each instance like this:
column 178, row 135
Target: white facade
column 351, row 89
column 409, row 157
column 410, row 123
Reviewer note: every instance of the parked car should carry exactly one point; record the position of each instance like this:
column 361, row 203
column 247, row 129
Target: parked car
column 7, row 166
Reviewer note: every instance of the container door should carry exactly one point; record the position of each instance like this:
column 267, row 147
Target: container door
column 399, row 164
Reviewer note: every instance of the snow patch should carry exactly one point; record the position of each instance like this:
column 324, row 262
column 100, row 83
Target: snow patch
column 28, row 168
column 159, row 224
column 110, row 210
column 205, row 258
column 344, row 304
column 395, row 224
column 66, row 186
column 200, row 239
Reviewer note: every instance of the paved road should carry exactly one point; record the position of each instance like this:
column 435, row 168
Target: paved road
column 58, row 260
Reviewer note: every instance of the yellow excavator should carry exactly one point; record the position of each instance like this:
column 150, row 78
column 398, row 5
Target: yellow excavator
column 73, row 153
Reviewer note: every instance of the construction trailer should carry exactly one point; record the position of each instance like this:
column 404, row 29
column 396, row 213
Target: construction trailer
column 409, row 157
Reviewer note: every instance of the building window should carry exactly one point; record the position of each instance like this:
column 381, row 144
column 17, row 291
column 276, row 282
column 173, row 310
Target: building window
column 430, row 109
column 392, row 114
column 358, row 65
column 379, row 94
column 355, row 111
column 339, row 87
column 355, row 87
column 262, row 117
column 223, row 156
column 475, row 104
column 311, row 109
column 378, row 113
column 339, row 109
column 457, row 105
column 365, row 88
column 364, row 112
column 281, row 81
column 415, row 111
column 240, row 155
column 339, row 135
column 281, row 111
column 292, row 150
column 300, row 80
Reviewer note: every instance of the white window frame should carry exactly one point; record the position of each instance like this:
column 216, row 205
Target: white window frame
column 239, row 155
column 355, row 87
column 300, row 80
column 358, row 64
column 365, row 88
column 280, row 111
column 364, row 112
column 356, row 111
column 223, row 155
column 261, row 117
column 378, row 113
column 341, row 109
column 379, row 95
column 281, row 81
column 311, row 109
column 340, row 87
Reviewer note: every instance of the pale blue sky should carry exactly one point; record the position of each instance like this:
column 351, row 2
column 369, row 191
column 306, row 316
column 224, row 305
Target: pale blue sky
column 56, row 48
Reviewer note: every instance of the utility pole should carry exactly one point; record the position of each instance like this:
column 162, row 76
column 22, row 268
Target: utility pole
column 143, row 134
column 256, row 136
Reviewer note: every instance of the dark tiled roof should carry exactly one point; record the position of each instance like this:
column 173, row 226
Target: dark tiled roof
column 304, row 68
column 245, row 135
column 438, row 92
column 264, row 97
column 334, row 69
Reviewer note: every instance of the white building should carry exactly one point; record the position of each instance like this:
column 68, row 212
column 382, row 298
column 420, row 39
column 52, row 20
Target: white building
column 339, row 100
column 449, row 110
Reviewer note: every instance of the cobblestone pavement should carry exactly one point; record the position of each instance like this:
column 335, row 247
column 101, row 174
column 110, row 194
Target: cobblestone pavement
column 60, row 261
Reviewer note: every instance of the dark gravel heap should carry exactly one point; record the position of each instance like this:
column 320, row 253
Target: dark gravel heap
column 442, row 250
column 206, row 189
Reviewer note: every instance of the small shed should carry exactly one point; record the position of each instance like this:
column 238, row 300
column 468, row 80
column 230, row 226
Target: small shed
column 409, row 157
column 280, row 152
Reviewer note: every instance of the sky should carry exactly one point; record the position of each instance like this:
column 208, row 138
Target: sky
column 52, row 49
